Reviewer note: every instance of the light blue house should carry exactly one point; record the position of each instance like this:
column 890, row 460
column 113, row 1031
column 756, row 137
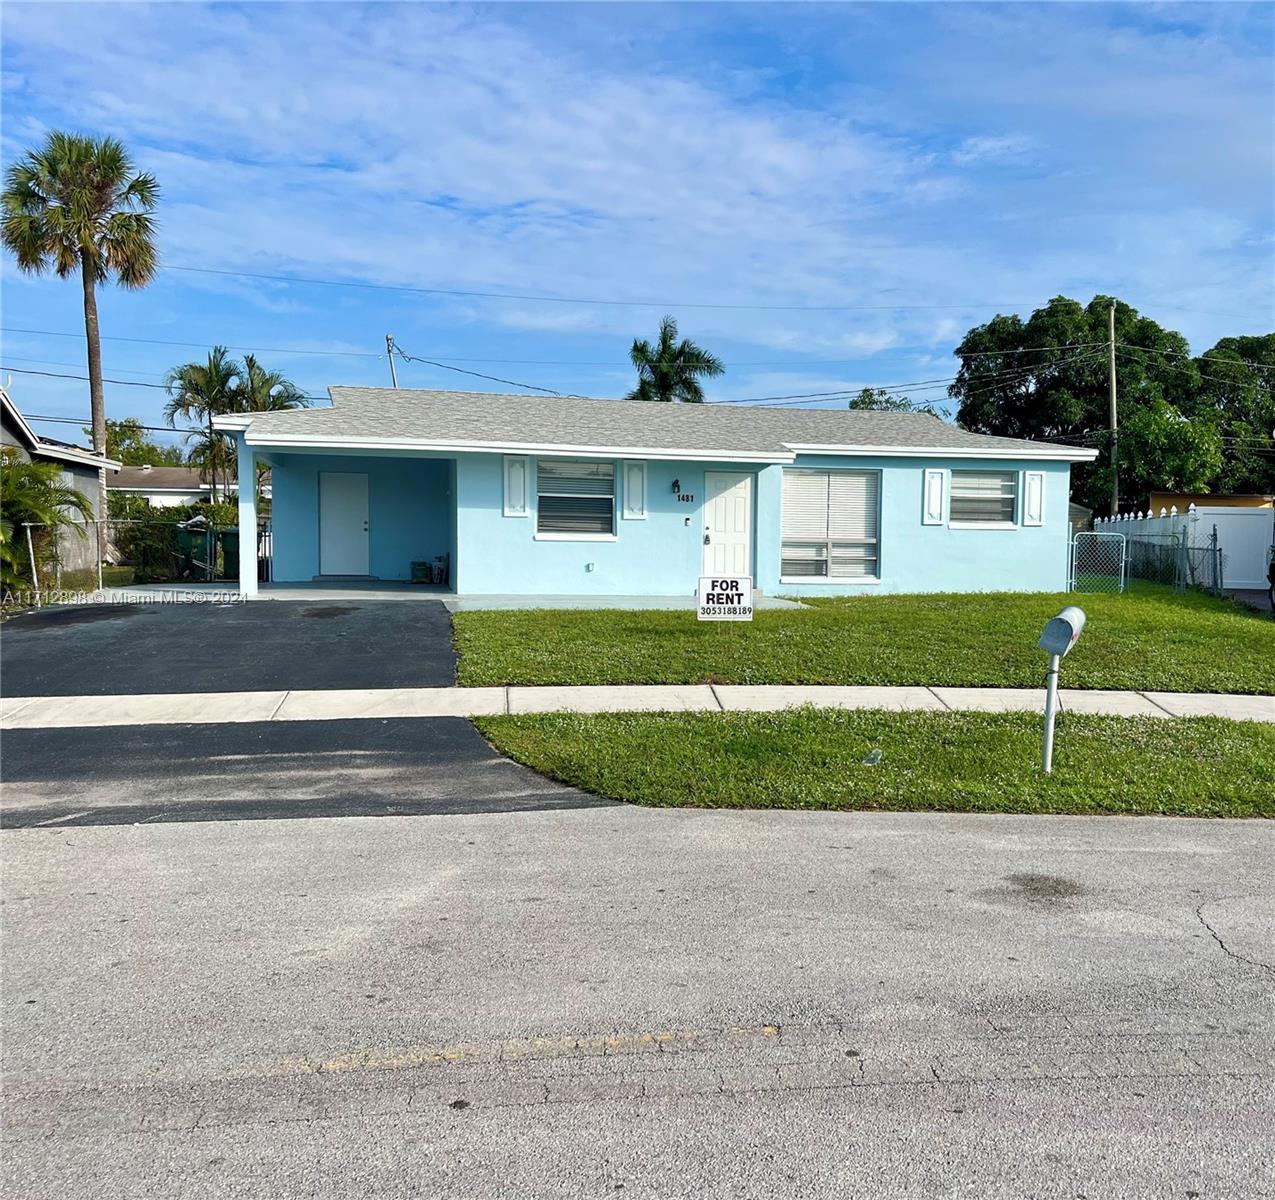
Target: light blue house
column 535, row 495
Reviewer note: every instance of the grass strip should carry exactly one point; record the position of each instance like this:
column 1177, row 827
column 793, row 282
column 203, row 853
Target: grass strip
column 949, row 762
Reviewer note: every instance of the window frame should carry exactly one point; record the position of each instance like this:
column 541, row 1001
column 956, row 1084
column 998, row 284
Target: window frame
column 828, row 543
column 559, row 535
column 954, row 522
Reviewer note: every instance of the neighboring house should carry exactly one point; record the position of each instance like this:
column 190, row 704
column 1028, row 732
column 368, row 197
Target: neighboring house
column 547, row 495
column 81, row 470
column 167, row 487
column 1183, row 500
column 1081, row 518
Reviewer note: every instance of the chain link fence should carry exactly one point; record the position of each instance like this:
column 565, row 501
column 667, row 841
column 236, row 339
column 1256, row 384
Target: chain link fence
column 87, row 556
column 1098, row 562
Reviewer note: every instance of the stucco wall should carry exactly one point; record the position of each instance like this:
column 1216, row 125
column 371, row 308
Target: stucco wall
column 662, row 555
column 422, row 507
column 410, row 512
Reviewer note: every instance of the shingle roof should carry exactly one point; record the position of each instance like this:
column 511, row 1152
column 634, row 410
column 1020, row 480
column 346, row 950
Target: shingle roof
column 186, row 479
column 485, row 420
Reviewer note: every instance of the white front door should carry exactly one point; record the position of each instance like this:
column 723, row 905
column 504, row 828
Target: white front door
column 728, row 523
column 343, row 544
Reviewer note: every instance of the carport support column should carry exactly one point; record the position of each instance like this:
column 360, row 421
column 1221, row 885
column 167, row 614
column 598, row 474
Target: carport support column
column 247, row 516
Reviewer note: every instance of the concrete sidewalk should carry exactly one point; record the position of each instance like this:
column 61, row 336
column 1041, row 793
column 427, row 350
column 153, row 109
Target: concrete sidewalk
column 62, row 712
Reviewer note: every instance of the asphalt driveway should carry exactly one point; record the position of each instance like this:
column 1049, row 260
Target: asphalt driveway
column 139, row 649
column 253, row 770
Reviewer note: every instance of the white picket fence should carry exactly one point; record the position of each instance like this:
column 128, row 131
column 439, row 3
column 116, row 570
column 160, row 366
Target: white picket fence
column 1243, row 540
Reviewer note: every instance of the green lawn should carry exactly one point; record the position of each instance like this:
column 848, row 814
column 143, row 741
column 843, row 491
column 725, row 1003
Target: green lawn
column 956, row 762
column 1151, row 638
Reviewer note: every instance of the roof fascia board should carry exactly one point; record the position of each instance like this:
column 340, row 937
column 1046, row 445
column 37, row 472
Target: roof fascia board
column 1064, row 454
column 284, row 441
column 82, row 459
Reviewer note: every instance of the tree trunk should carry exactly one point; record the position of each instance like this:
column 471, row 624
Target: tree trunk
column 212, row 458
column 97, row 401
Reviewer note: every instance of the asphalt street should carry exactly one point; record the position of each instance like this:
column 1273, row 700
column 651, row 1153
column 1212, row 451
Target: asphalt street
column 616, row 1001
column 131, row 649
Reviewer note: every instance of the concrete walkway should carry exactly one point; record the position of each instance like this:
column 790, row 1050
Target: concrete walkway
column 62, row 712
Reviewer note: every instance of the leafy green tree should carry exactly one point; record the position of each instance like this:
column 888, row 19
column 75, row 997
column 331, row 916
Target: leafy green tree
column 32, row 493
column 1159, row 445
column 1046, row 378
column 1237, row 393
column 880, row 400
column 671, row 370
column 128, row 442
column 76, row 204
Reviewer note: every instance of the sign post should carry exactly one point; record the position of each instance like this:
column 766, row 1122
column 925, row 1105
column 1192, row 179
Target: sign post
column 724, row 599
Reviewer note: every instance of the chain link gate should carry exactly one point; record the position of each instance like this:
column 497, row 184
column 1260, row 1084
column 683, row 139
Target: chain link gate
column 1098, row 562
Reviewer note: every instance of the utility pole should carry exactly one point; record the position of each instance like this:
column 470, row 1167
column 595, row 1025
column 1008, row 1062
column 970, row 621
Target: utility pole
column 389, row 350
column 1111, row 397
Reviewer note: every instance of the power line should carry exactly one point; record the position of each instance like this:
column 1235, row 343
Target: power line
column 1248, row 362
column 668, row 304
column 929, row 384
column 1210, row 378
column 475, row 374
column 116, row 382
column 86, row 422
column 199, row 345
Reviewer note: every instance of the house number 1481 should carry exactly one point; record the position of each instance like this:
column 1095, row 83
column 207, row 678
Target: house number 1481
column 686, row 498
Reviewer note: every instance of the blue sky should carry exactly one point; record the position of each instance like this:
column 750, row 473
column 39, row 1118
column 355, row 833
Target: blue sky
column 970, row 158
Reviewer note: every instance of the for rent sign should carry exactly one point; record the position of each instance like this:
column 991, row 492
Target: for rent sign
column 724, row 599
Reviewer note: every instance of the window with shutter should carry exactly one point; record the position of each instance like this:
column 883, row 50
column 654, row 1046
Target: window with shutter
column 830, row 525
column 575, row 496
column 983, row 498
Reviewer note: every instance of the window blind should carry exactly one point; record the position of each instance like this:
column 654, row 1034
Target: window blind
column 830, row 524
column 575, row 495
column 983, row 497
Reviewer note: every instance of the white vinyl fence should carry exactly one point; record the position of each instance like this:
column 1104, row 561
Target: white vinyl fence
column 1208, row 546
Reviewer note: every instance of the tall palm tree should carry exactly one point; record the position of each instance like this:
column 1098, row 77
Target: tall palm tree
column 671, row 370
column 76, row 203
column 260, row 390
column 198, row 392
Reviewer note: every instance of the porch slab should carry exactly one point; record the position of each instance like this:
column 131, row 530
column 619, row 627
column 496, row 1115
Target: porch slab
column 638, row 698
column 1212, row 704
column 761, row 698
column 365, row 703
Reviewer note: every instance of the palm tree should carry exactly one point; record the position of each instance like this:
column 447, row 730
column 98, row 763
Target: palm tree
column 672, row 369
column 76, row 203
column 198, row 392
column 260, row 390
column 33, row 493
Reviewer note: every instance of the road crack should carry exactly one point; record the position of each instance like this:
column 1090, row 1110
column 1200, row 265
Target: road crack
column 1217, row 937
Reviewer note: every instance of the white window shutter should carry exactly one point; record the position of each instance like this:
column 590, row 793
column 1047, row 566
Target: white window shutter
column 933, row 501
column 1033, row 497
column 634, row 491
column 516, row 471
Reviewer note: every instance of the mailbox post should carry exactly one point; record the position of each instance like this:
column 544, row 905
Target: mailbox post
column 1060, row 635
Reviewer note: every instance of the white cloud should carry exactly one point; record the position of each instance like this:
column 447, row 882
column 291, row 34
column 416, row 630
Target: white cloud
column 991, row 148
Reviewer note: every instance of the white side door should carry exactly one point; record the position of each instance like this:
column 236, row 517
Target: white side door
column 343, row 540
column 728, row 523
